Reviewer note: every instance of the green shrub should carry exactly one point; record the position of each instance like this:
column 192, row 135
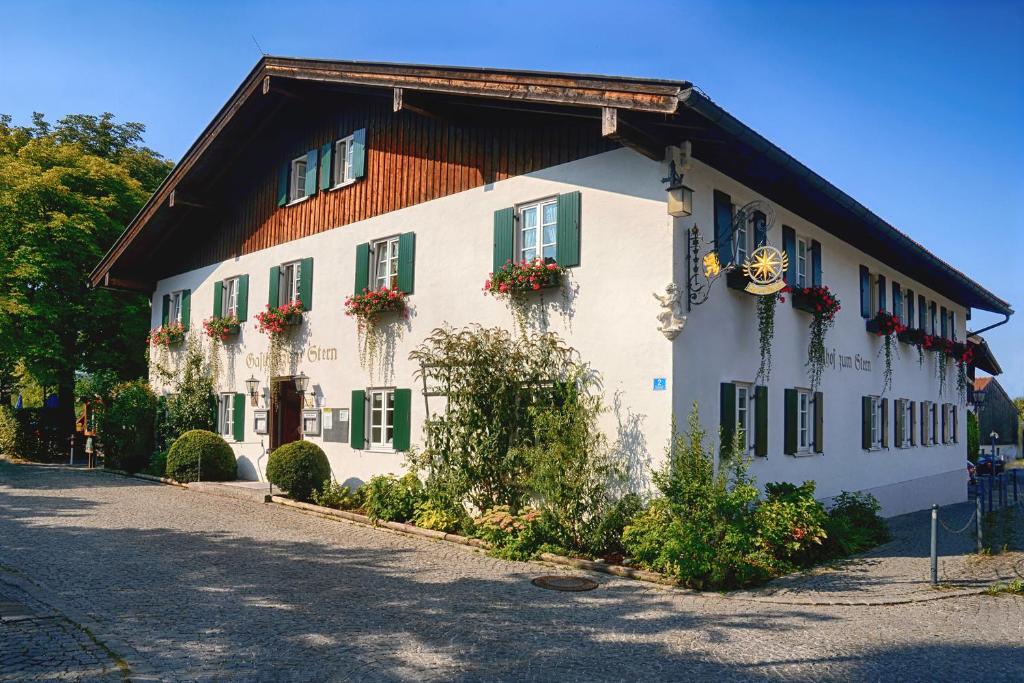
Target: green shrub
column 338, row 496
column 33, row 434
column 512, row 536
column 199, row 448
column 853, row 524
column 191, row 405
column 9, row 437
column 790, row 525
column 391, row 499
column 299, row 468
column 125, row 426
column 611, row 526
column 431, row 514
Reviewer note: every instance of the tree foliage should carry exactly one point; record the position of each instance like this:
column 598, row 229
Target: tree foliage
column 67, row 191
column 973, row 438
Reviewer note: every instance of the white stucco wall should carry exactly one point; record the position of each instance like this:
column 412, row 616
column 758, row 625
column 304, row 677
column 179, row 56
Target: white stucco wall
column 720, row 344
column 630, row 248
column 626, row 247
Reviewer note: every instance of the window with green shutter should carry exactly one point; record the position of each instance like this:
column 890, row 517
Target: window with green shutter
column 406, row 262
column 238, row 428
column 865, row 293
column 218, row 298
column 402, row 419
column 274, row 295
column 790, row 422
column 761, row 421
column 311, row 167
column 727, row 414
column 306, row 283
column 359, row 153
column 242, row 305
column 789, row 247
column 504, row 237
column 186, row 308
column 358, row 420
column 362, row 280
column 567, row 249
column 819, row 422
column 327, row 166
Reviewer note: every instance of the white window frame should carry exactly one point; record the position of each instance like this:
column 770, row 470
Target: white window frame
column 175, row 310
column 746, row 413
column 539, row 243
column 229, row 297
column 291, row 283
column 226, row 416
column 385, row 272
column 380, row 441
column 742, row 236
column 908, row 423
column 297, row 190
column 804, row 421
column 342, row 162
column 876, row 423
column 803, row 260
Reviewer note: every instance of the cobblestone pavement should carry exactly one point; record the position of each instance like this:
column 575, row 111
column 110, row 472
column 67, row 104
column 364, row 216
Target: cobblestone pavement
column 184, row 586
column 38, row 644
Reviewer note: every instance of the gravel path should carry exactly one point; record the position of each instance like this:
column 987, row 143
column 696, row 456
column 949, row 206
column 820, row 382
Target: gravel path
column 184, row 586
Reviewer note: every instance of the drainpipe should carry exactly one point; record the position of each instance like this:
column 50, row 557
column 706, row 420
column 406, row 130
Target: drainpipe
column 1005, row 320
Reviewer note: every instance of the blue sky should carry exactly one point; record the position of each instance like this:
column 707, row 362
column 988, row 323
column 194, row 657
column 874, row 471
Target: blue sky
column 914, row 108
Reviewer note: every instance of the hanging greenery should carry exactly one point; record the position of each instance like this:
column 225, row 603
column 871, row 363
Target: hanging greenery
column 823, row 306
column 766, row 332
column 219, row 329
column 515, row 282
column 275, row 322
column 366, row 307
column 886, row 325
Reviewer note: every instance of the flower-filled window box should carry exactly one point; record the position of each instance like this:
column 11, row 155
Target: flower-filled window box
column 737, row 279
column 222, row 328
column 167, row 335
column 912, row 336
column 886, row 325
column 370, row 303
column 520, row 278
column 815, row 300
column 273, row 320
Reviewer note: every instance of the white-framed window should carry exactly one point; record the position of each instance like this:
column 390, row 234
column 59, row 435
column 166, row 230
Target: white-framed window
column 297, row 187
column 226, row 416
column 385, row 263
column 745, row 401
column 803, row 259
column 174, row 313
column 933, row 433
column 908, row 423
column 804, row 421
column 229, row 297
column 291, row 278
column 876, row 422
column 381, row 418
column 343, row 162
column 537, row 235
column 742, row 236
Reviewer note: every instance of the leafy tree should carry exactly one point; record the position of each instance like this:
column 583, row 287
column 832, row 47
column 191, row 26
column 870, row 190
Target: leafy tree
column 973, row 439
column 66, row 192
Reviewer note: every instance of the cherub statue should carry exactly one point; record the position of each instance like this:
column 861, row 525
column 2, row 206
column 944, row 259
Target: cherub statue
column 670, row 317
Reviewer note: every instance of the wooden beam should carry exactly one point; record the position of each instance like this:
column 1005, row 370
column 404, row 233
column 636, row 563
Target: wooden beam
column 615, row 127
column 126, row 285
column 401, row 100
column 181, row 199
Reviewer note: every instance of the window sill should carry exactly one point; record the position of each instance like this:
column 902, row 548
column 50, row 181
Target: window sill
column 339, row 186
column 381, row 450
column 298, row 201
column 806, row 454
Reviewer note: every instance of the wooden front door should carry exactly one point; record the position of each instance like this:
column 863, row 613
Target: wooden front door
column 285, row 413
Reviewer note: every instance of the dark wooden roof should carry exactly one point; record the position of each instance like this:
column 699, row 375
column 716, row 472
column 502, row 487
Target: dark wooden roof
column 644, row 114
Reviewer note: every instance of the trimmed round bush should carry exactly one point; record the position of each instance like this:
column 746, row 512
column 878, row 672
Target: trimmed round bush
column 299, row 467
column 199, row 446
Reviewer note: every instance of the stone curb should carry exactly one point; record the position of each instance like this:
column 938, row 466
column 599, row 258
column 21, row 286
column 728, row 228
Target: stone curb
column 590, row 565
column 139, row 475
column 138, row 670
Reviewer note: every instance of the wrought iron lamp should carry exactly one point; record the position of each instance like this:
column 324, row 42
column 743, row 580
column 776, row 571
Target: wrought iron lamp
column 680, row 197
column 252, row 385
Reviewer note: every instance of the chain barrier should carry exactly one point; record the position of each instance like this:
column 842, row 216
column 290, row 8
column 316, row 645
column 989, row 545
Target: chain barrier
column 960, row 530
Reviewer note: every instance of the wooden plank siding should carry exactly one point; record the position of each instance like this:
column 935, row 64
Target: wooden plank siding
column 410, row 159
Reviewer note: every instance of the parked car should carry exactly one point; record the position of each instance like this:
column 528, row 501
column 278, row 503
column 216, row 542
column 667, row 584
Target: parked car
column 971, row 471
column 988, row 464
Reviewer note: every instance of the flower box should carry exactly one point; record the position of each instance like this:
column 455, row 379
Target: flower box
column 884, row 324
column 373, row 302
column 736, row 279
column 273, row 321
column 167, row 335
column 524, row 277
column 815, row 300
column 222, row 328
column 912, row 336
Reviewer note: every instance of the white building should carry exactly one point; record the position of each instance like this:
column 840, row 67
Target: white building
column 318, row 178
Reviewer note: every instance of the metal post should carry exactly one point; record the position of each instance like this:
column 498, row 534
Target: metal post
column 977, row 514
column 991, row 484
column 199, row 469
column 1013, row 473
column 935, row 554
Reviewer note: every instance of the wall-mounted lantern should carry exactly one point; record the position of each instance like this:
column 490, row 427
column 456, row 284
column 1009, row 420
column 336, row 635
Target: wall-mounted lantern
column 252, row 385
column 680, row 197
column 301, row 384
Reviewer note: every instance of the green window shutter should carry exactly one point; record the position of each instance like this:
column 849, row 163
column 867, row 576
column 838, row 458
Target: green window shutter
column 865, row 293
column 362, row 268
column 282, row 183
column 924, row 423
column 882, row 305
column 166, row 318
column 898, row 420
column 311, row 166
column 406, row 261
column 359, row 153
column 306, row 284
column 815, row 263
column 274, row 298
column 897, row 300
column 402, row 418
column 908, row 298
column 789, row 438
column 358, row 422
column 326, row 166
column 238, row 428
column 504, row 237
column 761, row 421
column 945, row 423
column 865, row 422
column 922, row 313
column 885, row 423
column 186, row 308
column 727, row 414
column 913, row 418
column 218, row 296
column 819, row 422
column 243, row 298
column 567, row 250
column 723, row 227
column 789, row 247
column 944, row 323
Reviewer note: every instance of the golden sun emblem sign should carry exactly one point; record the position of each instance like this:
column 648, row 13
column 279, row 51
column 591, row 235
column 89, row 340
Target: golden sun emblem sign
column 764, row 268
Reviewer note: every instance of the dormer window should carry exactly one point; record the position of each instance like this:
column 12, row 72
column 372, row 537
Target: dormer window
column 297, row 189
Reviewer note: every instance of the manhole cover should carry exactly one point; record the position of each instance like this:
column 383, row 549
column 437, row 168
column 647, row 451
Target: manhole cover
column 564, row 583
